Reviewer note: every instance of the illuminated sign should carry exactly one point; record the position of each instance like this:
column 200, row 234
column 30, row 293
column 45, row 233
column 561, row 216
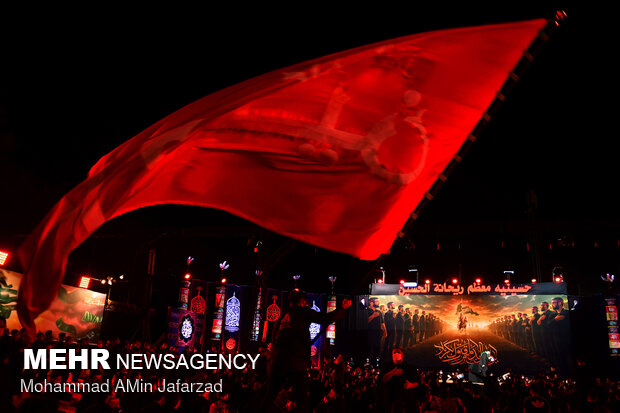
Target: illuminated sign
column 233, row 314
column 315, row 328
column 186, row 329
column 198, row 303
column 611, row 314
column 273, row 311
column 184, row 294
column 272, row 314
column 256, row 322
column 331, row 329
column 313, row 351
column 218, row 315
column 459, row 351
column 331, row 333
column 475, row 288
column 230, row 344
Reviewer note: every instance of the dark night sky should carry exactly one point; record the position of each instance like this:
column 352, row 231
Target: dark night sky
column 74, row 90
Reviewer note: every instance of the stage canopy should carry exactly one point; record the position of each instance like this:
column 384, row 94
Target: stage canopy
column 336, row 152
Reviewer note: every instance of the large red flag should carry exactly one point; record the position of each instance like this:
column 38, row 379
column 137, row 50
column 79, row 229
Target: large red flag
column 336, row 152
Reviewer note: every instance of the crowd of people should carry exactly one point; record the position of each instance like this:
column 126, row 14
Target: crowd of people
column 390, row 326
column 284, row 380
column 545, row 333
column 339, row 385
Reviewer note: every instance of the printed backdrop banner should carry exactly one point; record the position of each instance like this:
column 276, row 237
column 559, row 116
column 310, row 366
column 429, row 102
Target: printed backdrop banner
column 75, row 311
column 526, row 333
column 198, row 298
column 184, row 329
column 472, row 289
column 217, row 314
column 275, row 305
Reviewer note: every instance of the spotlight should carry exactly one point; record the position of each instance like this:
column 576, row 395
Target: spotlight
column 534, row 280
column 478, row 280
column 402, row 281
column 3, row 257
column 507, row 281
column 84, row 282
column 427, row 281
column 557, row 272
column 223, row 280
column 258, row 244
column 121, row 276
column 379, row 281
column 187, row 276
column 103, row 282
column 455, row 281
column 382, row 271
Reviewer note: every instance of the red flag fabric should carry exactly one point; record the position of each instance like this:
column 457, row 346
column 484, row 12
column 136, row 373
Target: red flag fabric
column 336, row 152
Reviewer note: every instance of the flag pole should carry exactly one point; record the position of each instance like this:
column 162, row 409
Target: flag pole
column 514, row 76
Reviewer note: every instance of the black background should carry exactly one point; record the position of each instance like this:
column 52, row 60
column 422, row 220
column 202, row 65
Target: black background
column 75, row 84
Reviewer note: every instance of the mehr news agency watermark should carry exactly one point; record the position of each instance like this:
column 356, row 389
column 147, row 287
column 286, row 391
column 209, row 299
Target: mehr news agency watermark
column 71, row 359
